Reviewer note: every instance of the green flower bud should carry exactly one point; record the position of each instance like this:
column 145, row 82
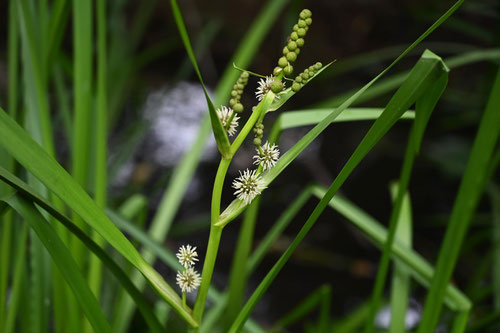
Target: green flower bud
column 277, row 86
column 305, row 13
column 257, row 141
column 232, row 102
column 292, row 45
column 259, row 132
column 309, row 21
column 245, row 75
column 297, row 51
column 301, row 32
column 291, row 56
column 260, row 125
column 305, row 76
column 286, row 50
column 288, row 70
column 282, row 62
column 240, row 91
column 298, row 79
column 277, row 71
column 295, row 27
column 240, row 86
column 312, row 69
column 296, row 87
column 300, row 42
column 318, row 65
column 234, row 93
column 294, row 36
column 302, row 23
column 238, row 108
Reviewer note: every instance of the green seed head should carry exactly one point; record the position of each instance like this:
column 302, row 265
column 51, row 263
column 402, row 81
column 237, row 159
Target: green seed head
column 232, row 102
column 276, row 86
column 305, row 76
column 309, row 21
column 245, row 75
column 300, row 42
column 234, row 93
column 296, row 86
column 259, row 132
column 257, row 141
column 301, row 32
column 312, row 69
column 298, row 79
column 305, row 13
column 292, row 56
column 295, row 27
column 240, row 86
column 277, row 71
column 302, row 23
column 286, row 50
column 288, row 70
column 294, row 36
column 318, row 65
column 238, row 108
column 282, row 62
column 292, row 45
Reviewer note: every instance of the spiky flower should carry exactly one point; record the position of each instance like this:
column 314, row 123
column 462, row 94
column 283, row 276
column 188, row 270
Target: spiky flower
column 187, row 255
column 266, row 85
column 188, row 280
column 267, row 156
column 224, row 113
column 248, row 185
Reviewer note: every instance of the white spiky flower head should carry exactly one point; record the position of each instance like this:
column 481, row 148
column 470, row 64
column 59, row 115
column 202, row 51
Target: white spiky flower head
column 189, row 280
column 187, row 255
column 248, row 185
column 224, row 113
column 265, row 85
column 267, row 156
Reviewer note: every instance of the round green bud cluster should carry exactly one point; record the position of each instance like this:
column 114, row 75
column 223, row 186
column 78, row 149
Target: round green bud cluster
column 295, row 42
column 303, row 77
column 237, row 91
column 258, row 130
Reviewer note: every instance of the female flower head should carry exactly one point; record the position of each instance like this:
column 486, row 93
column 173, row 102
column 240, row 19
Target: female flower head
column 248, row 185
column 225, row 114
column 188, row 280
column 187, row 255
column 267, row 156
column 266, row 85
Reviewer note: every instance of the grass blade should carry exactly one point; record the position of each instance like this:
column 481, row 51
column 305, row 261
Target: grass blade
column 42, row 166
column 469, row 193
column 121, row 276
column 219, row 132
column 400, row 288
column 64, row 261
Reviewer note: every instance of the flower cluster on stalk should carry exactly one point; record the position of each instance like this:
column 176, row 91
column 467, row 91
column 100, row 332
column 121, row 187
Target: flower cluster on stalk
column 189, row 279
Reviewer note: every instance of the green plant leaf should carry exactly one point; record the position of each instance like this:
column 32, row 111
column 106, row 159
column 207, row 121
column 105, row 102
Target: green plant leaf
column 219, row 131
column 468, row 196
column 28, row 153
column 61, row 256
column 120, row 275
column 400, row 287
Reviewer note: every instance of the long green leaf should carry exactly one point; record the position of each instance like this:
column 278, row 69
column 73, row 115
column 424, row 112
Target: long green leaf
column 469, row 193
column 47, row 170
column 64, row 261
column 400, row 287
column 219, row 132
column 121, row 276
